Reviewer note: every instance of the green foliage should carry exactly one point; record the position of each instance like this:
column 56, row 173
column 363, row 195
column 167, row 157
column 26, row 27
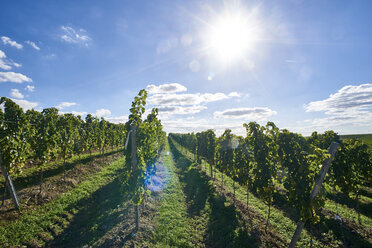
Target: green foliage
column 47, row 136
column 323, row 141
column 302, row 161
column 262, row 142
column 351, row 166
column 13, row 136
column 225, row 152
column 67, row 124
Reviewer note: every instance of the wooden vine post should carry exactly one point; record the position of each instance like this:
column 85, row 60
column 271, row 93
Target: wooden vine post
column 318, row 185
column 134, row 166
column 9, row 184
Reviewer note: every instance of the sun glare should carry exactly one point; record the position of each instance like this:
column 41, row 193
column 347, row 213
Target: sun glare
column 231, row 37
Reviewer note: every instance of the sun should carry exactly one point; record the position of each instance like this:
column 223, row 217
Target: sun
column 231, row 37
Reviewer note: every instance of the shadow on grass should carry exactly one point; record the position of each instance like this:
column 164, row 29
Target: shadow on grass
column 225, row 228
column 340, row 198
column 34, row 179
column 352, row 237
column 365, row 193
column 97, row 215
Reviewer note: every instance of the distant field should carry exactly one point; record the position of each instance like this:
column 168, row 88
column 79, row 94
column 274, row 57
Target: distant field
column 367, row 138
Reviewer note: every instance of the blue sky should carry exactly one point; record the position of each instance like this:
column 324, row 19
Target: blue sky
column 306, row 65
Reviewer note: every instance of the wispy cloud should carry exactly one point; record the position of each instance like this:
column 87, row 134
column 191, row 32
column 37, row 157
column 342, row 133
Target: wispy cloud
column 26, row 105
column 13, row 77
column 33, row 45
column 117, row 119
column 63, row 105
column 349, row 97
column 183, row 125
column 169, row 101
column 186, row 99
column 75, row 36
column 102, row 112
column 165, row 88
column 178, row 110
column 78, row 113
column 351, row 106
column 30, row 88
column 10, row 42
column 16, row 94
column 5, row 63
column 257, row 113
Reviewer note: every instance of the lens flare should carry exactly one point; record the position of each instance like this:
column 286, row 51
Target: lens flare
column 156, row 177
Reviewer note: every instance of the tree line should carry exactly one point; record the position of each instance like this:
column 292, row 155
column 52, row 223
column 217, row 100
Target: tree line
column 268, row 157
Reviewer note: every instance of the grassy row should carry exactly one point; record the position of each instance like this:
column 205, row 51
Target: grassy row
column 193, row 214
column 226, row 227
column 50, row 219
column 173, row 223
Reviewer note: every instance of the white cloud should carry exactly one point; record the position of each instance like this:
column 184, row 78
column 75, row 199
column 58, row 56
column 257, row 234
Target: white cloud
column 185, row 99
column 117, row 119
column 165, row 88
column 13, row 77
column 30, row 88
column 25, row 104
column 213, row 97
column 33, row 45
column 8, row 41
column 348, row 110
column 102, row 112
column 78, row 113
column 3, row 63
column 166, row 99
column 75, row 36
column 6, row 64
column 16, row 64
column 234, row 94
column 349, row 97
column 257, row 113
column 201, row 124
column 178, row 110
column 63, row 105
column 16, row 94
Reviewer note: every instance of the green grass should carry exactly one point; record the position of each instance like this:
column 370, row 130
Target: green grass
column 36, row 227
column 173, row 224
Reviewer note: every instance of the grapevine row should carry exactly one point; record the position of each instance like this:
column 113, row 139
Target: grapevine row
column 268, row 157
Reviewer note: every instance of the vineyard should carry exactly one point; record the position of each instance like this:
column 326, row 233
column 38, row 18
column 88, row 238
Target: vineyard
column 69, row 182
